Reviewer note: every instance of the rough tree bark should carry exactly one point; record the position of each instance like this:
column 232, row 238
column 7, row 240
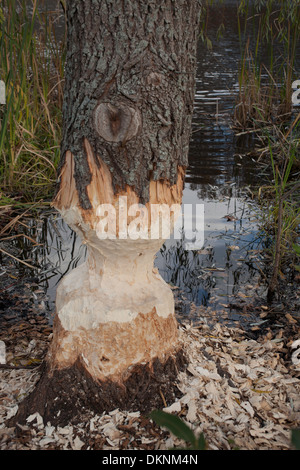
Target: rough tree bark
column 128, row 103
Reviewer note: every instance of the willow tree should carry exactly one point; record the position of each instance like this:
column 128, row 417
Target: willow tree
column 128, row 103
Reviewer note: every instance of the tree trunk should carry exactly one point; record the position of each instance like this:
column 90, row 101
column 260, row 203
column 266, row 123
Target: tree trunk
column 128, row 102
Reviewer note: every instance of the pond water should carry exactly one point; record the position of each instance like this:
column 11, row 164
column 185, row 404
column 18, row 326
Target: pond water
column 228, row 265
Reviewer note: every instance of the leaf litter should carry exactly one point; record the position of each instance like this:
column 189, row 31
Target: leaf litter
column 240, row 392
column 240, row 387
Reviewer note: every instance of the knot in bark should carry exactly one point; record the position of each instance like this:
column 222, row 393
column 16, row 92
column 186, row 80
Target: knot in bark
column 117, row 122
column 154, row 79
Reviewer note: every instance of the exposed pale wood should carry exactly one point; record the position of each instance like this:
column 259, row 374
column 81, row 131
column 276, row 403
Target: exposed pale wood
column 115, row 310
column 109, row 350
column 100, row 190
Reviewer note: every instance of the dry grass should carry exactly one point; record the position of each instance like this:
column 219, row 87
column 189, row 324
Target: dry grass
column 31, row 64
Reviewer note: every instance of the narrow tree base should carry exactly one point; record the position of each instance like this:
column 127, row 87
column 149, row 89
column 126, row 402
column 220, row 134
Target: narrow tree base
column 68, row 395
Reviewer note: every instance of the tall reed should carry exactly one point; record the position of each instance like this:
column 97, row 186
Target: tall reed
column 271, row 28
column 31, row 65
column 282, row 209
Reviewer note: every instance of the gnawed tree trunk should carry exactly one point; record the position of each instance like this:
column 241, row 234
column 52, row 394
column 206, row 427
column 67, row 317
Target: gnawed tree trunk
column 128, row 102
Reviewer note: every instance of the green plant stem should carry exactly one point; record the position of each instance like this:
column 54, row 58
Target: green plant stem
column 274, row 279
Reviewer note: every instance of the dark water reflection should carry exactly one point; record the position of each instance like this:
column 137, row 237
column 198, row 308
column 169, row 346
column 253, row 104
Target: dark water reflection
column 219, row 175
column 216, row 155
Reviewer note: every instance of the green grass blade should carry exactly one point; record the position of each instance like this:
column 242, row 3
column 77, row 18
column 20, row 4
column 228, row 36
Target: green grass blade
column 175, row 425
column 296, row 438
